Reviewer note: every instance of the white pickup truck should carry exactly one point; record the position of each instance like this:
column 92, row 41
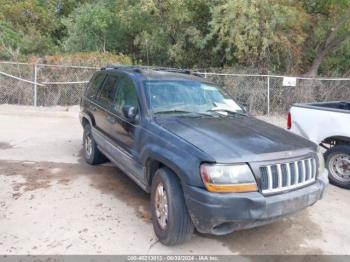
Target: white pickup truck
column 328, row 125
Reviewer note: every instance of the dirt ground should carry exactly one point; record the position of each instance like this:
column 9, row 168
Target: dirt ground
column 51, row 202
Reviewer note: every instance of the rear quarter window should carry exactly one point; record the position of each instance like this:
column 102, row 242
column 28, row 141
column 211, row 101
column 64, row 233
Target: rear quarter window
column 106, row 95
column 94, row 85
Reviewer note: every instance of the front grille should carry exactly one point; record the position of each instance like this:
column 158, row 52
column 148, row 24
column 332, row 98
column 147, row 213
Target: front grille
column 286, row 176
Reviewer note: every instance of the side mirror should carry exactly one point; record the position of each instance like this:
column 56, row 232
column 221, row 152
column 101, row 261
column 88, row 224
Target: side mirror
column 129, row 112
column 245, row 107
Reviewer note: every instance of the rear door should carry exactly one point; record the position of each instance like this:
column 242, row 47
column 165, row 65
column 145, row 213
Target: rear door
column 104, row 103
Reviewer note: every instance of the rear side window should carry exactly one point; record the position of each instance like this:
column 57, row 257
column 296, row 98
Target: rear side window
column 107, row 92
column 94, row 85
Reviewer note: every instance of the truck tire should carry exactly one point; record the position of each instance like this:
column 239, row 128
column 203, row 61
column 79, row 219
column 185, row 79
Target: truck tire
column 338, row 165
column 92, row 154
column 171, row 222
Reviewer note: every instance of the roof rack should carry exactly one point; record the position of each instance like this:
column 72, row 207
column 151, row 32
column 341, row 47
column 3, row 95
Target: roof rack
column 172, row 70
column 177, row 70
column 143, row 69
column 125, row 67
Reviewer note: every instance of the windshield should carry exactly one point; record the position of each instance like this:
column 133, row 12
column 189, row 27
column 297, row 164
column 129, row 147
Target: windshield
column 171, row 96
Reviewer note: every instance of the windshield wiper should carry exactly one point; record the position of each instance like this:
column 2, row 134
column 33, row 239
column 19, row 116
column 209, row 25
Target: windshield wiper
column 177, row 111
column 173, row 111
column 226, row 110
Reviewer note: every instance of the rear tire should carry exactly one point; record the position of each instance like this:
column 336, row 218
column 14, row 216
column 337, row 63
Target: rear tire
column 338, row 165
column 92, row 154
column 167, row 199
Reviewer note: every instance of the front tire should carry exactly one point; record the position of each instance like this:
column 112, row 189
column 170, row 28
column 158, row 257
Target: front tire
column 92, row 154
column 171, row 222
column 338, row 164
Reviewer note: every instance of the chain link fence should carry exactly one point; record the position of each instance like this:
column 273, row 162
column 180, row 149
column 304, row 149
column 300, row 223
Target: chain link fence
column 41, row 84
column 16, row 85
column 266, row 94
column 51, row 85
column 63, row 85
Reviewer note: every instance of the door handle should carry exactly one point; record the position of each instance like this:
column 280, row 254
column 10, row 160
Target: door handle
column 111, row 119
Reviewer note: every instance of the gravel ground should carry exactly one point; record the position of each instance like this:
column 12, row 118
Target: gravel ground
column 51, row 202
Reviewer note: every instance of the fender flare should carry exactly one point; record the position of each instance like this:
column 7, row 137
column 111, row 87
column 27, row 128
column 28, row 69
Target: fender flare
column 87, row 116
column 165, row 157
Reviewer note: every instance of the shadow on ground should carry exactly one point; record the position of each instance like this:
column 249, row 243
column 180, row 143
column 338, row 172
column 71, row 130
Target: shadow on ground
column 4, row 146
column 287, row 236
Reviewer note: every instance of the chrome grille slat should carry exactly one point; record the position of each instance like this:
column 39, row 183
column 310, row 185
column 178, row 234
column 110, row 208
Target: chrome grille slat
column 303, row 172
column 289, row 175
column 310, row 167
column 269, row 174
column 314, row 168
column 296, row 170
column 279, row 174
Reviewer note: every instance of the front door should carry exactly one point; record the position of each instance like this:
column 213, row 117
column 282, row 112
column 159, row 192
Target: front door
column 124, row 131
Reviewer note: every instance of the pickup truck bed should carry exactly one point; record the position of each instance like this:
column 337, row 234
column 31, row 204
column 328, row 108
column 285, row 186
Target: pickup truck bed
column 336, row 106
column 326, row 124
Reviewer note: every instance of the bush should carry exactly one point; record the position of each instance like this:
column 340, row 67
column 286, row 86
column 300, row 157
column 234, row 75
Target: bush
column 96, row 59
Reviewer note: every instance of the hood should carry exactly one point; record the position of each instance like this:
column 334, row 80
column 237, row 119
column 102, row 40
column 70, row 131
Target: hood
column 237, row 138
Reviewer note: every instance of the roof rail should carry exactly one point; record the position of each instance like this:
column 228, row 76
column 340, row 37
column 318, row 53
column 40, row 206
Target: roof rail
column 125, row 67
column 177, row 70
column 143, row 69
column 172, row 70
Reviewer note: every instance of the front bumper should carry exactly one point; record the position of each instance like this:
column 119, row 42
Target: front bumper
column 223, row 213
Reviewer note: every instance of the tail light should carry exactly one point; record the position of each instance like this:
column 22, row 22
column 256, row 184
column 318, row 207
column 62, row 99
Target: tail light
column 289, row 121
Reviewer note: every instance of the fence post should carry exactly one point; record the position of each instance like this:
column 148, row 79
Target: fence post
column 35, row 96
column 268, row 95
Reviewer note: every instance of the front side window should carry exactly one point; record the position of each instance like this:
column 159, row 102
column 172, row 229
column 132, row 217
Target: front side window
column 107, row 91
column 126, row 95
column 188, row 97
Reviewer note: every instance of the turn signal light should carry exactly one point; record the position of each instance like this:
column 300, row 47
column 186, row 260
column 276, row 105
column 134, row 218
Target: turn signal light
column 239, row 188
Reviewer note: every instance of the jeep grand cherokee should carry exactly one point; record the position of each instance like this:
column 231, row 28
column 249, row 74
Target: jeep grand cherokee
column 206, row 163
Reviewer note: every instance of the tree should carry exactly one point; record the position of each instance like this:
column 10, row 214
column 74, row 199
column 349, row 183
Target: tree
column 329, row 30
column 91, row 27
column 35, row 21
column 167, row 32
column 263, row 33
column 287, row 36
column 10, row 41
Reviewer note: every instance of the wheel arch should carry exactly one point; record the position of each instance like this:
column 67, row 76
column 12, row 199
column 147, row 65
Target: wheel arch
column 154, row 163
column 84, row 121
column 339, row 140
column 86, row 118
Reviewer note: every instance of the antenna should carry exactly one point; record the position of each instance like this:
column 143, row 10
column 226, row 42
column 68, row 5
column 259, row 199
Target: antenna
column 147, row 56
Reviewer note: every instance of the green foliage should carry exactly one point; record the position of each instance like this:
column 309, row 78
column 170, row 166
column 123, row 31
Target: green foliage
column 329, row 32
column 286, row 36
column 88, row 59
column 337, row 63
column 91, row 27
column 168, row 32
column 266, row 33
column 10, row 40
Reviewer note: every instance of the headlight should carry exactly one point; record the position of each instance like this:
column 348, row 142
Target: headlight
column 320, row 157
column 228, row 178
